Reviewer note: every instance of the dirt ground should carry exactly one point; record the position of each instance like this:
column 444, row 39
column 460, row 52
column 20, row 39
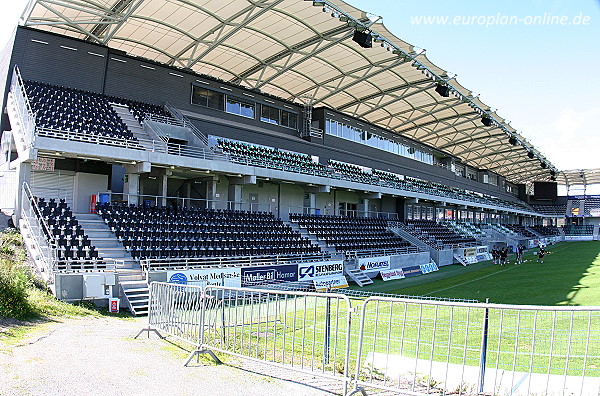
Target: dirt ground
column 98, row 356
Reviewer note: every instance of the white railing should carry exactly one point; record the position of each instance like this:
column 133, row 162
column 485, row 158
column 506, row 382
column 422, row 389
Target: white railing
column 46, row 245
column 41, row 237
column 24, row 110
column 226, row 262
column 179, row 202
column 178, row 115
column 398, row 345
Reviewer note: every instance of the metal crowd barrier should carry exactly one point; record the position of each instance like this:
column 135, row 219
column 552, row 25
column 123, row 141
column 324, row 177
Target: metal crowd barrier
column 399, row 345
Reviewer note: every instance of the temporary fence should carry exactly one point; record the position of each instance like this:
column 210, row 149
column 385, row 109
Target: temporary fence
column 398, row 345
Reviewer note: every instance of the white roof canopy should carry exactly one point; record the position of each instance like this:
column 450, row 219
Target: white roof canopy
column 303, row 51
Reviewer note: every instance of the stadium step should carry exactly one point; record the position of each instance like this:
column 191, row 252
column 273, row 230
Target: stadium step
column 313, row 239
column 104, row 240
column 135, row 290
column 460, row 259
column 359, row 277
column 135, row 127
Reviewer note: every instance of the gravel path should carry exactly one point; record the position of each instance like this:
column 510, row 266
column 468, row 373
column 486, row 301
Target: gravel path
column 98, row 356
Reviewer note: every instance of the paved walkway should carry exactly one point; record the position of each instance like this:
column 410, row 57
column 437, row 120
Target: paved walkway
column 98, row 356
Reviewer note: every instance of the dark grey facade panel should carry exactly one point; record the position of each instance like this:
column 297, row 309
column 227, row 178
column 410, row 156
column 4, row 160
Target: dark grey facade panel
column 61, row 61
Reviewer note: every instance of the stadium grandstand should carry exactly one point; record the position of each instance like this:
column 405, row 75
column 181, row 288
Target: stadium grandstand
column 140, row 144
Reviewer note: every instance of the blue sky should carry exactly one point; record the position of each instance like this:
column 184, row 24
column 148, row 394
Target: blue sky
column 542, row 77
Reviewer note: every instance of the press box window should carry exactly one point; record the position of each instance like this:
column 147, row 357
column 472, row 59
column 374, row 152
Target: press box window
column 207, row 98
column 239, row 107
column 269, row 114
column 289, row 119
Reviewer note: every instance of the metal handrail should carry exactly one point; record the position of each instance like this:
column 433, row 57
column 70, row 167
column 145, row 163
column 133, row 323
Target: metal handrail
column 178, row 115
column 24, row 110
column 224, row 262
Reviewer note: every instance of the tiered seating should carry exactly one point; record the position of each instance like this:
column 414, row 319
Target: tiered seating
column 578, row 230
column 75, row 250
column 552, row 210
column 545, row 230
column 71, row 110
column 592, row 207
column 351, row 233
column 246, row 153
column 521, row 230
column 141, row 110
column 439, row 234
column 354, row 172
column 464, row 228
column 161, row 232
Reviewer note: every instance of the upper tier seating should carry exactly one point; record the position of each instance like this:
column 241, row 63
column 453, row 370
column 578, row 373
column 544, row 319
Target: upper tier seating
column 521, row 230
column 271, row 158
column 354, row 172
column 161, row 232
column 67, row 109
column 439, row 234
column 578, row 230
column 552, row 210
column 256, row 155
column 75, row 250
column 545, row 230
column 351, row 233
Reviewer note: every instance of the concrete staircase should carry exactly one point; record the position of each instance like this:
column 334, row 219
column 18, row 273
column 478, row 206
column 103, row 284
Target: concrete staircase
column 359, row 277
column 135, row 291
column 145, row 140
column 313, row 239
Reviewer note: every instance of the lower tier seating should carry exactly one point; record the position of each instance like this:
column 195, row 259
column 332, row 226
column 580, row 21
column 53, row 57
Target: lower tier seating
column 351, row 233
column 440, row 234
column 578, row 230
column 60, row 226
column 167, row 232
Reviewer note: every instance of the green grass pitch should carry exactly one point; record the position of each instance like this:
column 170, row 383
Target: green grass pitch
column 570, row 275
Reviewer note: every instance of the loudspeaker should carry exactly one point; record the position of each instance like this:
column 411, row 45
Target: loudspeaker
column 552, row 173
column 543, row 165
column 442, row 90
column 530, row 154
column 486, row 121
column 512, row 140
column 363, row 39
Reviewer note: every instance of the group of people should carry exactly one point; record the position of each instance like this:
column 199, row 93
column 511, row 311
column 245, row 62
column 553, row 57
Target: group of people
column 500, row 255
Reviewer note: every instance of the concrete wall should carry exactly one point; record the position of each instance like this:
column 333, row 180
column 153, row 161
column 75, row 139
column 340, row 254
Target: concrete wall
column 85, row 185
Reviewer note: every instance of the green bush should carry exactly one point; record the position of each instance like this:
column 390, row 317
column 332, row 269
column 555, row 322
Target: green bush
column 15, row 278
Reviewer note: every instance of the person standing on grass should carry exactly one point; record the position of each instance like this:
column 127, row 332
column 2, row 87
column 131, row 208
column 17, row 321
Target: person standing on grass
column 494, row 255
column 520, row 249
column 503, row 256
column 541, row 254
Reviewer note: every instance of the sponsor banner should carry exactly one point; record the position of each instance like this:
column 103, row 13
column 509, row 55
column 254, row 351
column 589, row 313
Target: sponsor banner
column 211, row 276
column 321, row 269
column 579, row 238
column 269, row 273
column 470, row 252
column 388, row 275
column 429, row 267
column 374, row 263
column 412, row 271
column 334, row 282
column 482, row 249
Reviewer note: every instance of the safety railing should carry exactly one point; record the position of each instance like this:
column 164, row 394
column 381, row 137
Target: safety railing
column 399, row 345
column 46, row 245
column 303, row 331
column 178, row 115
column 41, row 237
column 24, row 110
column 439, row 348
column 305, row 210
column 223, row 262
column 179, row 202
